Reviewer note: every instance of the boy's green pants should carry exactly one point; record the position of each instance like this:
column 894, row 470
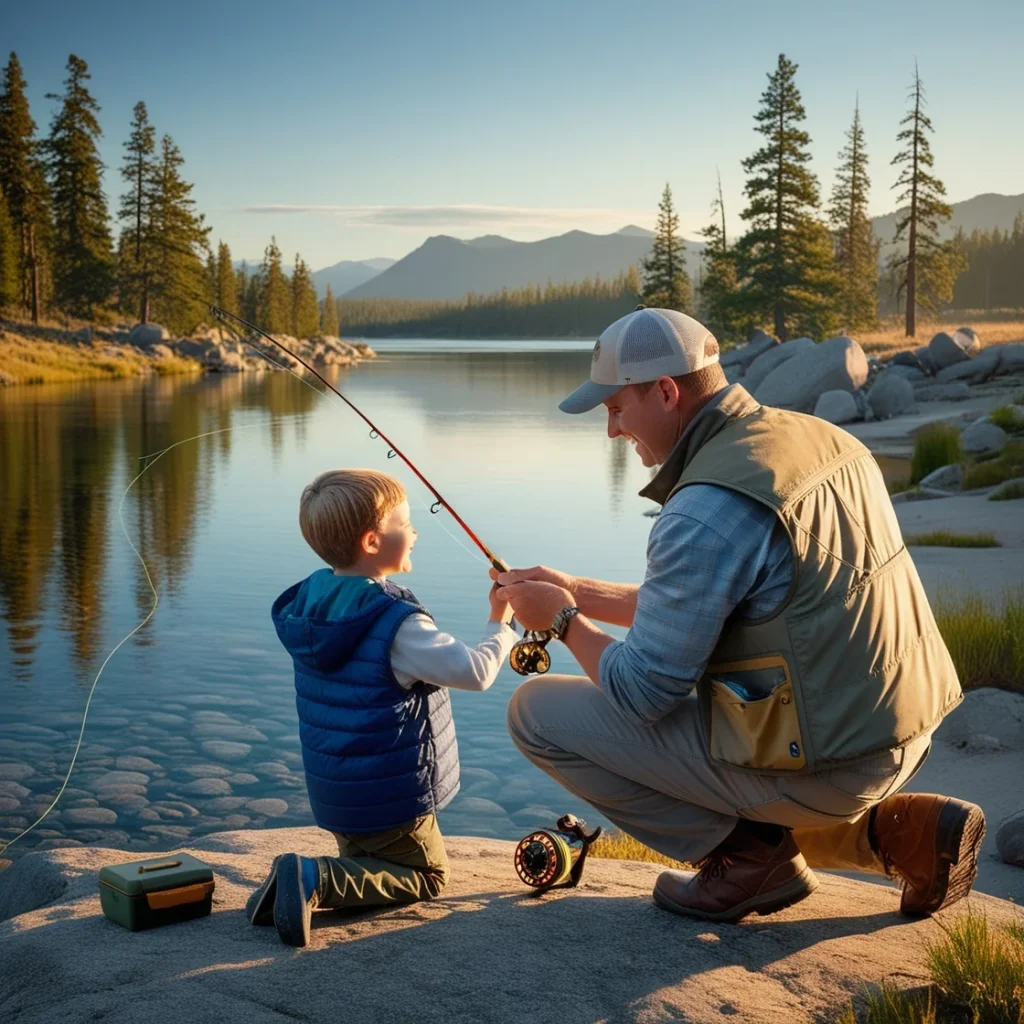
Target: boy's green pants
column 403, row 865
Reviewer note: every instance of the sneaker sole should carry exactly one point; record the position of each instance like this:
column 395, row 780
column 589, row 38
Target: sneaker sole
column 259, row 908
column 960, row 831
column 291, row 911
column 794, row 891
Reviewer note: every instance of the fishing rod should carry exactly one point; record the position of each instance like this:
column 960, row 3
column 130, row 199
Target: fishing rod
column 375, row 432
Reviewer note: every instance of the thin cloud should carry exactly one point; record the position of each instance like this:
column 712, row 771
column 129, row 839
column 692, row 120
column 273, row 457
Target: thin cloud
column 466, row 216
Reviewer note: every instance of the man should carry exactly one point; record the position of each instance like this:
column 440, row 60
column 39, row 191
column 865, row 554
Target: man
column 782, row 674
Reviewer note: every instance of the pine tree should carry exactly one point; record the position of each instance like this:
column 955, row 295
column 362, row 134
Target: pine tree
column 855, row 244
column 10, row 290
column 785, row 259
column 329, row 319
column 226, row 290
column 137, row 251
column 274, row 313
column 251, row 304
column 666, row 283
column 180, row 282
column 82, row 257
column 242, row 291
column 929, row 269
column 718, row 296
column 23, row 180
column 305, row 309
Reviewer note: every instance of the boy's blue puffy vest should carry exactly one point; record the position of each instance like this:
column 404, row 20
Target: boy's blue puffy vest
column 376, row 755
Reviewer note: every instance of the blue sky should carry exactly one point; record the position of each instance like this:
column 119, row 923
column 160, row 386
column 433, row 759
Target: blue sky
column 356, row 130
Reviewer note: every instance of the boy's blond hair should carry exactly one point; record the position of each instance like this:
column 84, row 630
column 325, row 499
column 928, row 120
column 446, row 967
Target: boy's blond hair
column 339, row 506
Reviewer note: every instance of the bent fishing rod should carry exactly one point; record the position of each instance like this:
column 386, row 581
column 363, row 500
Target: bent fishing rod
column 375, row 432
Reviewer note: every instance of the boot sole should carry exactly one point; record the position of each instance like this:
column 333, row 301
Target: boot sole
column 959, row 838
column 291, row 911
column 793, row 891
column 259, row 908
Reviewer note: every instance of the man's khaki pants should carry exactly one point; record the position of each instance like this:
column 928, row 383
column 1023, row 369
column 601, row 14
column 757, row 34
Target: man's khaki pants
column 657, row 782
column 403, row 865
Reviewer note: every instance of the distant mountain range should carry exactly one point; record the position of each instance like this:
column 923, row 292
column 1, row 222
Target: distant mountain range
column 348, row 274
column 447, row 268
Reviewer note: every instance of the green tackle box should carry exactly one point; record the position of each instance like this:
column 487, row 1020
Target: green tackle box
column 161, row 890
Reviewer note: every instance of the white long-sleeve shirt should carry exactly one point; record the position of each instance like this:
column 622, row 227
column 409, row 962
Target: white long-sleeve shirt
column 422, row 652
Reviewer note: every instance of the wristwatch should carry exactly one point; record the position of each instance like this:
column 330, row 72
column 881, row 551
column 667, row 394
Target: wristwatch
column 560, row 622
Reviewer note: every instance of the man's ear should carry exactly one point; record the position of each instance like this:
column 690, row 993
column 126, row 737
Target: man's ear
column 669, row 391
column 370, row 542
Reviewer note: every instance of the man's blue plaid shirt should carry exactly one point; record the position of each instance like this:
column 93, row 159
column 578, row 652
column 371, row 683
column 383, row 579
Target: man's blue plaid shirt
column 712, row 553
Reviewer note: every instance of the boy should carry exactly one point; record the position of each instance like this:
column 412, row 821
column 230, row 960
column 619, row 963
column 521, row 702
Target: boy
column 375, row 721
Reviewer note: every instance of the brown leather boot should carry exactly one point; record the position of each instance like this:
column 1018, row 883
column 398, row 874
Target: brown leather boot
column 743, row 875
column 932, row 843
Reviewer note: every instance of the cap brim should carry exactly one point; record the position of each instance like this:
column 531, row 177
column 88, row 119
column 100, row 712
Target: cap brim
column 588, row 396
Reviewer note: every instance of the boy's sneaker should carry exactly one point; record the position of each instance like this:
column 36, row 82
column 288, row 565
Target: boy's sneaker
column 259, row 908
column 295, row 900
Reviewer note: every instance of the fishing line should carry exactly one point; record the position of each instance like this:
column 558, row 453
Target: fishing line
column 151, row 460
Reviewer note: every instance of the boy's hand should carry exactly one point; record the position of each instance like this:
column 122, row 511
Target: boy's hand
column 539, row 573
column 501, row 611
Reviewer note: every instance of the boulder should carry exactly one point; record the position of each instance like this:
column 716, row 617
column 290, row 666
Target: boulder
column 772, row 358
column 931, row 392
column 1011, row 358
column 926, row 360
column 968, row 340
column 84, row 334
column 983, row 437
column 1008, row 490
column 891, row 395
column 744, row 355
column 912, row 373
column 838, row 364
column 837, row 407
column 144, row 336
column 1010, row 839
column 63, row 961
column 976, row 370
column 947, row 349
column 945, row 478
column 160, row 352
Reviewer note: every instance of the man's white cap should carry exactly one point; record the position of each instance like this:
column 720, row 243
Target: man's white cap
column 642, row 346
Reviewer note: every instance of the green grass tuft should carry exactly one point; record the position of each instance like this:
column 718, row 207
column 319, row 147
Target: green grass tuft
column 981, row 967
column 945, row 539
column 1009, row 463
column 985, row 642
column 1005, row 418
column 936, row 445
column 1009, row 491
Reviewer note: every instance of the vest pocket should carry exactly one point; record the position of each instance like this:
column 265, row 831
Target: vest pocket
column 754, row 721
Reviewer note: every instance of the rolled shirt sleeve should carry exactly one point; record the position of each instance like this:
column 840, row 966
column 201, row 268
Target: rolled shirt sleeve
column 711, row 552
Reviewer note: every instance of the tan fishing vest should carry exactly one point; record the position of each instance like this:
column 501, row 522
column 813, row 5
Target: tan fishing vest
column 852, row 664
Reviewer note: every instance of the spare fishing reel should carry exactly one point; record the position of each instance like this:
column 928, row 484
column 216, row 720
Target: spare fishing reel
column 529, row 656
column 554, row 858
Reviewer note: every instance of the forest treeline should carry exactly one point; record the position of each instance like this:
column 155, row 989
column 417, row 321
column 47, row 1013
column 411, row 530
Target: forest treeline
column 801, row 266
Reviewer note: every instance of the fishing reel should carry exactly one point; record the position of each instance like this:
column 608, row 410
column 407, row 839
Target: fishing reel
column 554, row 858
column 529, row 656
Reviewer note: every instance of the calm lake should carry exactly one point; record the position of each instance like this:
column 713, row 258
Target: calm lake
column 192, row 727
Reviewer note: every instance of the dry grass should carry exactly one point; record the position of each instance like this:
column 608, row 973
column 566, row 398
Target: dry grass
column 889, row 338
column 619, row 846
column 985, row 641
column 945, row 539
column 36, row 361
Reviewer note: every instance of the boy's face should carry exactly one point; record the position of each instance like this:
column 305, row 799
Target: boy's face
column 395, row 539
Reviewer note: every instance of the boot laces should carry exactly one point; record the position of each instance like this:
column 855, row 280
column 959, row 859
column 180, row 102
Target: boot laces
column 714, row 865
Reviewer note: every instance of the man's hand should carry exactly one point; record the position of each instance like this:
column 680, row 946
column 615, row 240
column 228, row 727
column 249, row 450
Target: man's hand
column 535, row 603
column 538, row 574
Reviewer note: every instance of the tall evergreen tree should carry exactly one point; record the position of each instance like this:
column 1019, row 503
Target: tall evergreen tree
column 23, row 180
column 928, row 270
column 242, row 291
column 274, row 309
column 855, row 243
column 785, row 259
column 305, row 309
column 179, row 284
column 226, row 291
column 138, row 250
column 10, row 290
column 329, row 320
column 82, row 260
column 666, row 283
column 718, row 296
